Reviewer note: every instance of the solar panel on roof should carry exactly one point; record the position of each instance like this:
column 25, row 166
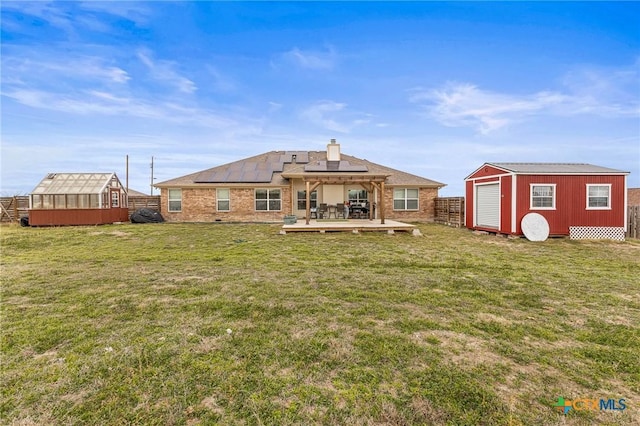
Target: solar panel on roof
column 335, row 166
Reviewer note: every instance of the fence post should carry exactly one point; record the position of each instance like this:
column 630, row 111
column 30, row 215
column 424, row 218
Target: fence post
column 15, row 209
column 633, row 225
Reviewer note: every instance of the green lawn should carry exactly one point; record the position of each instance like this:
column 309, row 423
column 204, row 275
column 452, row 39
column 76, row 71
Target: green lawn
column 129, row 324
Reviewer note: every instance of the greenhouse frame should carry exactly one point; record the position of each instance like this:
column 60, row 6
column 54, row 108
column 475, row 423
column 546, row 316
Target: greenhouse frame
column 78, row 199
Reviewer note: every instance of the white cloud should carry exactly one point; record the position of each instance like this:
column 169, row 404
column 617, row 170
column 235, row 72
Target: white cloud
column 135, row 12
column 464, row 104
column 63, row 15
column 334, row 116
column 108, row 104
column 219, row 81
column 164, row 71
column 314, row 60
column 606, row 93
column 39, row 69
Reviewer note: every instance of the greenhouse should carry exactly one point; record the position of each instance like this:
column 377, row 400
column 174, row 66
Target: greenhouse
column 78, row 199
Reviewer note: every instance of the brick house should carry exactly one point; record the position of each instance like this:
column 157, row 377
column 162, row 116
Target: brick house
column 269, row 186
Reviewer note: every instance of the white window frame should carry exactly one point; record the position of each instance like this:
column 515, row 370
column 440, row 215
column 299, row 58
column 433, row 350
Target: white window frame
column 115, row 199
column 553, row 196
column 405, row 199
column 606, row 185
column 174, row 199
column 268, row 200
column 219, row 199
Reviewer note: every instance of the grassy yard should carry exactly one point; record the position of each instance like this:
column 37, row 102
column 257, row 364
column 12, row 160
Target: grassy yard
column 235, row 324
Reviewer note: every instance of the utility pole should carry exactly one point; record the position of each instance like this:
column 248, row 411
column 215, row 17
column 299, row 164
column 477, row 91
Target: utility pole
column 151, row 175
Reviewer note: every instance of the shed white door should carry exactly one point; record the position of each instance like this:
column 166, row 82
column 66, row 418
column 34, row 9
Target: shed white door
column 488, row 205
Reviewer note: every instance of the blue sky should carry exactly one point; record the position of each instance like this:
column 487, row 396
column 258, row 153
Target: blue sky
column 434, row 89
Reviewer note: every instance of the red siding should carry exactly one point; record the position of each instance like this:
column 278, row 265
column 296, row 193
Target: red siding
column 487, row 171
column 571, row 202
column 60, row 217
column 468, row 204
column 505, row 204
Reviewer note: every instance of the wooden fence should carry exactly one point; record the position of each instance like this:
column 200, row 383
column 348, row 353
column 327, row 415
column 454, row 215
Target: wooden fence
column 13, row 208
column 633, row 226
column 143, row 201
column 450, row 211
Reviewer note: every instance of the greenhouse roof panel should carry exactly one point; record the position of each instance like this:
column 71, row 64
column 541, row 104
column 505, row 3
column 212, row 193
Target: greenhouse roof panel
column 74, row 183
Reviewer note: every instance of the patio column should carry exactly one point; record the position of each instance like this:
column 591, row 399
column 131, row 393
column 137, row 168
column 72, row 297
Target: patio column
column 382, row 203
column 308, row 202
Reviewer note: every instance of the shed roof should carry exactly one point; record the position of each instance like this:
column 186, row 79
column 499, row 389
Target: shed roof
column 275, row 167
column 555, row 168
column 73, row 183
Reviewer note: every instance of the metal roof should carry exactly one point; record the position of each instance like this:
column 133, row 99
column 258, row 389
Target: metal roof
column 74, row 183
column 555, row 168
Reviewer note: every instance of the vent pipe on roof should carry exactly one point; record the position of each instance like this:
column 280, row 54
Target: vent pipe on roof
column 333, row 151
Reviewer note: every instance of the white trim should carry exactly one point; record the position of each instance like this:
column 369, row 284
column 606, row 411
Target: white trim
column 608, row 207
column 405, row 198
column 571, row 173
column 553, row 200
column 626, row 205
column 218, row 199
column 484, row 165
column 268, row 199
column 489, row 177
column 169, row 199
column 514, row 194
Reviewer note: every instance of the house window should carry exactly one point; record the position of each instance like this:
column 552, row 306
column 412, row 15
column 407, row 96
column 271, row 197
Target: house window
column 405, row 199
column 543, row 197
column 598, row 196
column 175, row 200
column 223, row 197
column 357, row 196
column 302, row 200
column 268, row 199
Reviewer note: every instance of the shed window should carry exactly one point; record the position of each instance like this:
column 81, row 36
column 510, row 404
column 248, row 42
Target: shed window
column 268, row 199
column 543, row 197
column 405, row 199
column 223, row 197
column 302, row 200
column 175, row 200
column 598, row 196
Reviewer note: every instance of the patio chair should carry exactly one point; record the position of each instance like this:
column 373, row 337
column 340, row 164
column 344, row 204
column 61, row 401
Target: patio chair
column 322, row 210
column 332, row 210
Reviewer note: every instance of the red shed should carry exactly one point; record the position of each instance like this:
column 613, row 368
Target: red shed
column 580, row 200
column 78, row 199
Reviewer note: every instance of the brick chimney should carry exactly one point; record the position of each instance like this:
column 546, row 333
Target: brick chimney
column 333, row 151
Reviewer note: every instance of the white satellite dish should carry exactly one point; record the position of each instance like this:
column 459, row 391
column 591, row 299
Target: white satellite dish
column 535, row 227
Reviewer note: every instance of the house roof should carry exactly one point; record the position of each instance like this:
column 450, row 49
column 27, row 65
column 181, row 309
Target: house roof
column 134, row 193
column 73, row 183
column 555, row 168
column 275, row 167
column 551, row 169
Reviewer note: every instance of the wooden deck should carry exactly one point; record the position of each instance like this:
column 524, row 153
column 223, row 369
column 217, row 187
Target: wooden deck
column 349, row 225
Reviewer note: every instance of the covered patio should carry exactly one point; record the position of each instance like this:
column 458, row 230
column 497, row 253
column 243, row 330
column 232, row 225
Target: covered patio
column 372, row 183
column 350, row 225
